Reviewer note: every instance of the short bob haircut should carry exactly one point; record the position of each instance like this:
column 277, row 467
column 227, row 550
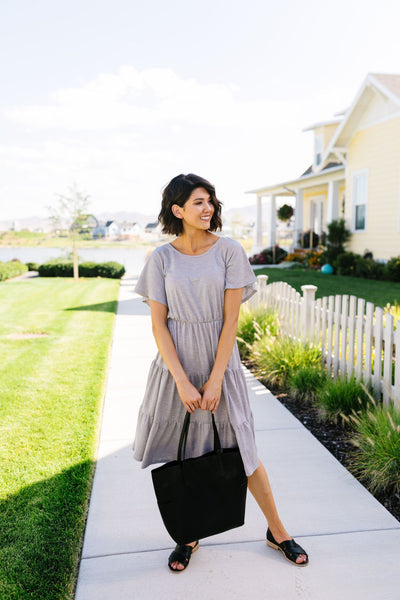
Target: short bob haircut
column 177, row 192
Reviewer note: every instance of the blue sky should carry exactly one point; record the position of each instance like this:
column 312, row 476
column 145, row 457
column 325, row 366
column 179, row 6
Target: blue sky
column 118, row 97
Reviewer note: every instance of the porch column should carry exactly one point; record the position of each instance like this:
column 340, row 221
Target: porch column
column 298, row 218
column 257, row 247
column 272, row 221
column 333, row 202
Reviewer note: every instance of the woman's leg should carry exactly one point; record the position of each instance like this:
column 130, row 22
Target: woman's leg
column 260, row 487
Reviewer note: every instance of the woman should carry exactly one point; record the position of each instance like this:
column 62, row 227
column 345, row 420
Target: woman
column 195, row 286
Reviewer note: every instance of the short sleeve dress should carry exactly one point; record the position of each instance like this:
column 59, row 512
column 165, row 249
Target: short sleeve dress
column 192, row 288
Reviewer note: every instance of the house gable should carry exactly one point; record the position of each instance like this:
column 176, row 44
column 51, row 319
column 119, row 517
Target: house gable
column 374, row 103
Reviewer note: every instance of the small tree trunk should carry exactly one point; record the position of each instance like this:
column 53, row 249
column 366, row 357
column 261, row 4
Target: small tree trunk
column 76, row 268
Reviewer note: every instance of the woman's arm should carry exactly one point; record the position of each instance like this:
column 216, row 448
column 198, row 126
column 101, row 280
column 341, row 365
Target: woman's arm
column 189, row 395
column 211, row 390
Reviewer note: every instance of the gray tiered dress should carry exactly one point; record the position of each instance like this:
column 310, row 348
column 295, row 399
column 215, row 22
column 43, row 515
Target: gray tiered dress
column 192, row 287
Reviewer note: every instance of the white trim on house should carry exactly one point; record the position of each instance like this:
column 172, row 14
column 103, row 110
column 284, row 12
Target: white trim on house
column 355, row 174
column 377, row 122
column 398, row 224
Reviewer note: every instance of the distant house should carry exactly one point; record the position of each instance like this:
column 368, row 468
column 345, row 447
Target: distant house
column 112, row 229
column 85, row 224
column 129, row 229
column 153, row 227
column 355, row 173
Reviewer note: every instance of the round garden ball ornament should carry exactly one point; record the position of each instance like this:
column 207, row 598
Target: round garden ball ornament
column 327, row 269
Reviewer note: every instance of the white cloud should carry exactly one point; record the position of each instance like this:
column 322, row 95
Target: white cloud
column 122, row 136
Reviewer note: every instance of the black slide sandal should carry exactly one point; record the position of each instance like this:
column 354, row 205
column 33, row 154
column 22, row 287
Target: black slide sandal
column 290, row 549
column 182, row 554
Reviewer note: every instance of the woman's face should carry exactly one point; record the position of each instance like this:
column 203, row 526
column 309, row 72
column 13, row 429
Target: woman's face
column 197, row 211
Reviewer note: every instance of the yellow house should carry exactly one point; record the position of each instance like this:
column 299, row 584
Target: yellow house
column 355, row 174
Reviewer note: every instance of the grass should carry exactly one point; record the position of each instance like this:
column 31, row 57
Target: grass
column 378, row 292
column 277, row 359
column 340, row 398
column 55, row 337
column 377, row 437
column 253, row 324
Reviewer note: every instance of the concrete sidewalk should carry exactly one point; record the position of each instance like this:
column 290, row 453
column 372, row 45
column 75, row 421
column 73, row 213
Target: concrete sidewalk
column 353, row 542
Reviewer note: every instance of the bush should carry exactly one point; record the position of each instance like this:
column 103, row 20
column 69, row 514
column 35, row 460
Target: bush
column 377, row 437
column 112, row 270
column 393, row 268
column 356, row 265
column 62, row 268
column 314, row 259
column 56, row 269
column 337, row 237
column 277, row 359
column 88, row 269
column 368, row 268
column 345, row 264
column 12, row 268
column 305, row 239
column 32, row 266
column 340, row 398
column 266, row 256
column 253, row 324
column 305, row 383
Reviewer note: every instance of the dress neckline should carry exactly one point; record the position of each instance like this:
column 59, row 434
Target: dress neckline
column 195, row 255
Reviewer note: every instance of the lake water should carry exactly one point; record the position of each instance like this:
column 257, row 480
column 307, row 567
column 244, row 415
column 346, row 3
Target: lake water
column 132, row 258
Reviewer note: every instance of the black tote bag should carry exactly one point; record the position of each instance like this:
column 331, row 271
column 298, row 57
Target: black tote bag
column 201, row 496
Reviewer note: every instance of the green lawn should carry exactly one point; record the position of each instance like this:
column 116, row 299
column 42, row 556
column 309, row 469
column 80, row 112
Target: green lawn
column 378, row 292
column 51, row 389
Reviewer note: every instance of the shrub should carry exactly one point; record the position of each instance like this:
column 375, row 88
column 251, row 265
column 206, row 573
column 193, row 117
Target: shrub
column 112, row 270
column 377, row 437
column 266, row 256
column 368, row 268
column 306, row 382
column 62, row 268
column 277, row 359
column 393, row 268
column 340, row 398
column 314, row 258
column 32, row 266
column 88, row 269
column 253, row 324
column 345, row 263
column 305, row 239
column 12, row 268
column 293, row 257
column 56, row 269
column 337, row 237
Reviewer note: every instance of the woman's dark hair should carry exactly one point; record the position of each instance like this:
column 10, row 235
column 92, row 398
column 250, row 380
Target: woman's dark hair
column 177, row 192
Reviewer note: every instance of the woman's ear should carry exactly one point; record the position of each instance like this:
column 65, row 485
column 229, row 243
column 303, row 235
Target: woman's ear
column 176, row 211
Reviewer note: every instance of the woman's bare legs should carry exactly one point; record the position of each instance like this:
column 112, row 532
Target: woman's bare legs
column 260, row 487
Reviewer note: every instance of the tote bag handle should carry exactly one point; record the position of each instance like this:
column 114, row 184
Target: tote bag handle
column 184, row 435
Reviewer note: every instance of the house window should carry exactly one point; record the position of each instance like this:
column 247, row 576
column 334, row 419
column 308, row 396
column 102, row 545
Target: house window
column 318, row 149
column 359, row 200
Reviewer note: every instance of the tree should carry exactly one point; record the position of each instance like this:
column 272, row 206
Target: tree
column 337, row 237
column 70, row 213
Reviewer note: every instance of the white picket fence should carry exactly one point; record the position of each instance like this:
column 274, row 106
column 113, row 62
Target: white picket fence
column 355, row 337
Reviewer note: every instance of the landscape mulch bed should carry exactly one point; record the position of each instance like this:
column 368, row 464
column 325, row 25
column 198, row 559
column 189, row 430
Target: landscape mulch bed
column 336, row 439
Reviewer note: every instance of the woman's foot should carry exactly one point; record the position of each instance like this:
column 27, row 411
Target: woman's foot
column 287, row 545
column 180, row 557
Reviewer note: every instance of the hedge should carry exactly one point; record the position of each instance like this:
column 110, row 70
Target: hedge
column 10, row 269
column 110, row 270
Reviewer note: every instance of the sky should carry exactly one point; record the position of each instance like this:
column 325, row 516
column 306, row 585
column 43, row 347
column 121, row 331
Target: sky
column 117, row 97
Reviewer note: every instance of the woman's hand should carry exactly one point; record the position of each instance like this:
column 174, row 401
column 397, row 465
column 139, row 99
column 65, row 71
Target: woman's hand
column 190, row 396
column 210, row 395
